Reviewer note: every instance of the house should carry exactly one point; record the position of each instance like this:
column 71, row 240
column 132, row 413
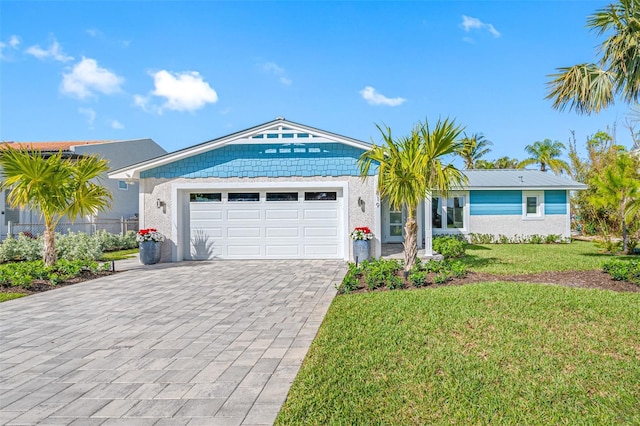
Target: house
column 283, row 190
column 119, row 154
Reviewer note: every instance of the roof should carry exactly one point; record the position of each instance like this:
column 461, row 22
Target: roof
column 48, row 146
column 261, row 133
column 518, row 179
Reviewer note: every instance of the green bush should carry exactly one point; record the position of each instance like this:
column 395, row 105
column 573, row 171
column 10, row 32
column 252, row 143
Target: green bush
column 623, row 270
column 449, row 246
column 475, row 238
column 457, row 269
column 23, row 274
column 351, row 280
column 382, row 272
column 418, row 278
column 78, row 246
column 21, row 248
column 113, row 242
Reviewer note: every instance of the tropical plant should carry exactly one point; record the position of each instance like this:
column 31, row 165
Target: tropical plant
column 410, row 168
column 546, row 154
column 473, row 148
column 590, row 87
column 55, row 187
column 499, row 163
column 618, row 189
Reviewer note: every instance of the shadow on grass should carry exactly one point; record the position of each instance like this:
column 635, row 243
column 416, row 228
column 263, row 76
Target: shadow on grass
column 476, row 247
column 477, row 262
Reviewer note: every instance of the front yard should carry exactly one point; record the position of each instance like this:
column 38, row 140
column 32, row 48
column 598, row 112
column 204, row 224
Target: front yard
column 487, row 353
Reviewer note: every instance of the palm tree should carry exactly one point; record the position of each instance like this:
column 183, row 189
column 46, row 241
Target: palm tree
column 546, row 153
column 506, row 163
column 54, row 186
column 473, row 149
column 591, row 87
column 618, row 189
column 410, row 168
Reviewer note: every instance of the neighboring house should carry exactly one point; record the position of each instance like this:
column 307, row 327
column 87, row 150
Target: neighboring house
column 118, row 153
column 284, row 190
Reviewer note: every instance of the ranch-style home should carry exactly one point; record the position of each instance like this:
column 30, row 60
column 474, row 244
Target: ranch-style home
column 119, row 153
column 284, row 190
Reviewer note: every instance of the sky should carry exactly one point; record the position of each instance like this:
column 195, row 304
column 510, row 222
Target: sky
column 186, row 72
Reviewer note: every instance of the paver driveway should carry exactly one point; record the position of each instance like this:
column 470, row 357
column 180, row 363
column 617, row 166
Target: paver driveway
column 200, row 343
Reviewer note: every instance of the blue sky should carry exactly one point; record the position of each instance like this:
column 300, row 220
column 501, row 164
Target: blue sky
column 186, row 72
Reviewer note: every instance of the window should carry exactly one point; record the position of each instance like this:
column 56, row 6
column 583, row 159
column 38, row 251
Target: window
column 455, row 212
column 320, row 196
column 123, row 185
column 244, row 196
column 450, row 213
column 282, row 196
column 206, row 197
column 532, row 204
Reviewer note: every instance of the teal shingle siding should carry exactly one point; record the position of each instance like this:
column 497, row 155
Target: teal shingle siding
column 498, row 203
column 266, row 160
column 555, row 202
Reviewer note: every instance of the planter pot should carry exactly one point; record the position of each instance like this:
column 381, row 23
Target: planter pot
column 150, row 252
column 361, row 250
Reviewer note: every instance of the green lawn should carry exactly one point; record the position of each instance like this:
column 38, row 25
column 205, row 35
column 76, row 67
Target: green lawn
column 8, row 296
column 534, row 258
column 119, row 255
column 493, row 353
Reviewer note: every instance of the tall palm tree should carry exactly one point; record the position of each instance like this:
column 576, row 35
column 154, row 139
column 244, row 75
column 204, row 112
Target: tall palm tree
column 473, row 148
column 410, row 168
column 592, row 87
column 54, row 186
column 506, row 163
column 546, row 154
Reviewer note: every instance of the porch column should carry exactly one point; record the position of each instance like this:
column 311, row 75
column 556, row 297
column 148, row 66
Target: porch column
column 428, row 230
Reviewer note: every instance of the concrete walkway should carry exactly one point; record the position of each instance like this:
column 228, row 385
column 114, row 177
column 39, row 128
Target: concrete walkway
column 195, row 343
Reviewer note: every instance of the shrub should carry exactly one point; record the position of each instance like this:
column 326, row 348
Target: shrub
column 351, row 280
column 78, row 246
column 418, row 278
column 449, row 246
column 623, row 270
column 481, row 238
column 23, row 274
column 113, row 242
column 441, row 278
column 382, row 272
column 21, row 248
column 457, row 269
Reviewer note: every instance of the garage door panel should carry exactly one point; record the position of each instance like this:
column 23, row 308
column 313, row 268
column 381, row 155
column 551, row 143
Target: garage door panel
column 282, row 214
column 252, row 214
column 284, row 232
column 320, row 214
column 245, row 232
column 266, row 229
column 292, row 250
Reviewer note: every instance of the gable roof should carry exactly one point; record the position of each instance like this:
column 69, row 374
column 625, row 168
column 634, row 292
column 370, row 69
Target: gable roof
column 518, row 179
column 278, row 131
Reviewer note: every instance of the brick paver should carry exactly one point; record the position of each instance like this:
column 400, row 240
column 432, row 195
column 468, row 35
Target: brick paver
column 194, row 343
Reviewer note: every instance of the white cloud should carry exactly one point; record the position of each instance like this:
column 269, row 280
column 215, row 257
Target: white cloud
column 13, row 43
column 278, row 71
column 54, row 51
column 469, row 23
column 86, row 78
column 370, row 95
column 90, row 114
column 183, row 91
column 115, row 124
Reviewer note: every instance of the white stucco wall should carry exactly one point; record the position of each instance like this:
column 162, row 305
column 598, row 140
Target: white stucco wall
column 162, row 189
column 516, row 225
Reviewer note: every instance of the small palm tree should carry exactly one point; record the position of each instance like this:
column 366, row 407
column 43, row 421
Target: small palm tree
column 591, row 87
column 506, row 163
column 410, row 168
column 546, row 154
column 618, row 188
column 473, row 148
column 54, row 186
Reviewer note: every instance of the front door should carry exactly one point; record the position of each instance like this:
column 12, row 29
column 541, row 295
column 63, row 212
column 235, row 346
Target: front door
column 393, row 224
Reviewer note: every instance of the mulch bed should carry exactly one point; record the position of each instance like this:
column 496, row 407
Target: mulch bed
column 577, row 279
column 40, row 286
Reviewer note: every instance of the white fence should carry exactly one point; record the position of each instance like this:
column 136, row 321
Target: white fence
column 113, row 226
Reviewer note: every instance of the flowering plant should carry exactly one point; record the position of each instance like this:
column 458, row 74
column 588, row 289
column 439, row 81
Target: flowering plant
column 149, row 234
column 362, row 233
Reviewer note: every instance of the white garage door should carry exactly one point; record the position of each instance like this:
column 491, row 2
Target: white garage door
column 269, row 224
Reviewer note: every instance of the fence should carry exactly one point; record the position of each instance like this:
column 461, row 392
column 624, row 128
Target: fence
column 113, row 226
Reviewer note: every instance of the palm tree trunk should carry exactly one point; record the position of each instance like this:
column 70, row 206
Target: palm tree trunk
column 410, row 241
column 624, row 236
column 49, row 255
